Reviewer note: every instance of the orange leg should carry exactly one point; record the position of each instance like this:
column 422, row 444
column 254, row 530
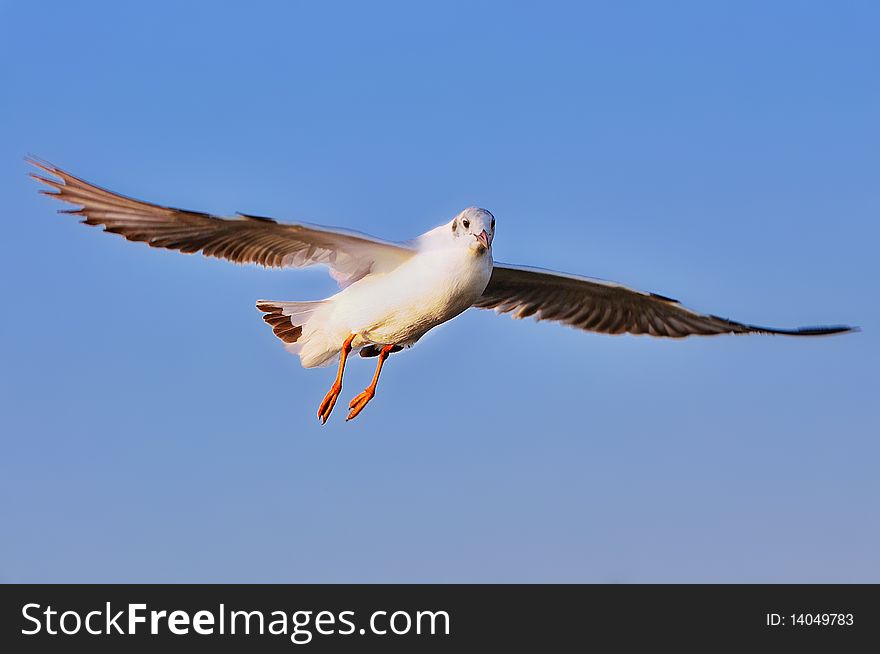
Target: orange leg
column 358, row 403
column 333, row 394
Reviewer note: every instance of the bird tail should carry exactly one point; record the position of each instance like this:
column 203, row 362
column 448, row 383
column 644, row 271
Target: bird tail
column 299, row 325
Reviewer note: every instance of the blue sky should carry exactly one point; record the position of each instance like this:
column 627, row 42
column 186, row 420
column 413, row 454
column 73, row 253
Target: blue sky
column 726, row 154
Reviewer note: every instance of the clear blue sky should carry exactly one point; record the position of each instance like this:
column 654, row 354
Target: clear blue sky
column 726, row 154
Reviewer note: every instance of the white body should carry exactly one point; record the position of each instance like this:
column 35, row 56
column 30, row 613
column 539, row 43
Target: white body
column 396, row 307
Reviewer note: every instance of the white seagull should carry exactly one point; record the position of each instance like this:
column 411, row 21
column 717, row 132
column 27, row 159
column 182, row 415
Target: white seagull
column 392, row 293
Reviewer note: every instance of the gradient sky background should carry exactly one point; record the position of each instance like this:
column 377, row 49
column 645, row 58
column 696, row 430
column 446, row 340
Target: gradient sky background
column 726, row 154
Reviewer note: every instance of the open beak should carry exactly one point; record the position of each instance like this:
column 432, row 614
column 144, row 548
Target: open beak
column 483, row 237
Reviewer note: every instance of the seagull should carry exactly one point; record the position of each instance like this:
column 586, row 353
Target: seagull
column 391, row 293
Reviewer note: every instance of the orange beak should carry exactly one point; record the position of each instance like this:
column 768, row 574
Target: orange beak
column 483, row 237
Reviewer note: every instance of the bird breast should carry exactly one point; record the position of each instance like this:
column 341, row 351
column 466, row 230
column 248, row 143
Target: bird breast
column 432, row 287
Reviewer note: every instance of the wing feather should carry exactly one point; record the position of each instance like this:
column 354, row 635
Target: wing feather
column 609, row 308
column 241, row 239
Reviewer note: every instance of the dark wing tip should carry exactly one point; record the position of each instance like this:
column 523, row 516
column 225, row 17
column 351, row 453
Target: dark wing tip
column 827, row 331
column 819, row 330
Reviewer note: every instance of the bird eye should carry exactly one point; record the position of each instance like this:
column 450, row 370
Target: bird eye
column 466, row 223
column 493, row 223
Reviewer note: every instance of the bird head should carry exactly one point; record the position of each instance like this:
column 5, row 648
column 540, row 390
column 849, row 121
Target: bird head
column 474, row 228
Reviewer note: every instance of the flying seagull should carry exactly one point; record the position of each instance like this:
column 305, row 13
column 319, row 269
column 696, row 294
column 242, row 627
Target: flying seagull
column 392, row 293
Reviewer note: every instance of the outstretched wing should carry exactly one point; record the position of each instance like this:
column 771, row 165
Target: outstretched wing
column 242, row 239
column 599, row 306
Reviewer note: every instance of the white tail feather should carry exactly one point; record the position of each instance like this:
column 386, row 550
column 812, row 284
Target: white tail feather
column 300, row 325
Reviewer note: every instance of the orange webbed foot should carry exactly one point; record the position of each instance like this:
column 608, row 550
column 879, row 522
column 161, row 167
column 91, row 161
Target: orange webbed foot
column 329, row 402
column 359, row 402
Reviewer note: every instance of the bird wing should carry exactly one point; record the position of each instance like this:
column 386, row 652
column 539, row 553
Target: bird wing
column 241, row 239
column 600, row 306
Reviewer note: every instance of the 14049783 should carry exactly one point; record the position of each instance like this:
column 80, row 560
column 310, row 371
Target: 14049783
column 809, row 620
